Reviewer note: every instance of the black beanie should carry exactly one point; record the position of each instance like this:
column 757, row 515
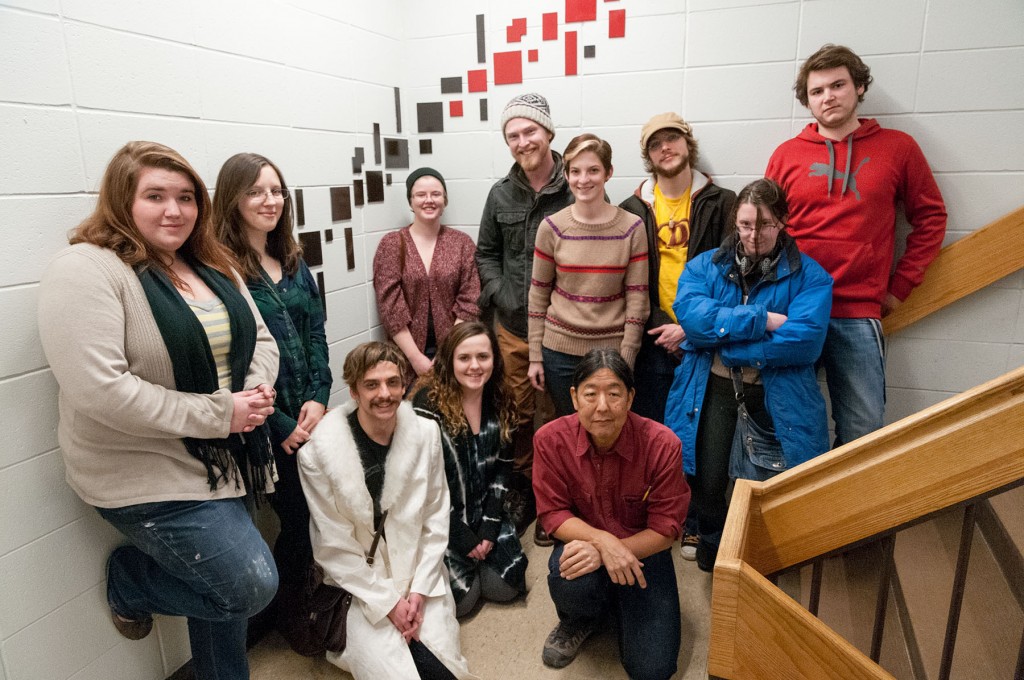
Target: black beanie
column 422, row 172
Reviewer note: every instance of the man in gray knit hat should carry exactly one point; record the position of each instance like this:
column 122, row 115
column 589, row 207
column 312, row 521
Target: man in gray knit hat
column 534, row 188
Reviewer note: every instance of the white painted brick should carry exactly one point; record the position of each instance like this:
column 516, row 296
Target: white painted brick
column 625, row 143
column 243, row 90
column 458, row 156
column 39, row 151
column 900, row 403
column 33, row 63
column 349, row 307
column 113, row 70
column 286, row 147
column 992, row 23
column 894, row 86
column 651, row 43
column 336, row 273
column 43, row 6
column 104, row 133
column 319, row 101
column 447, row 56
column 737, row 36
column 1016, row 358
column 378, row 16
column 1018, row 333
column 466, row 201
column 743, row 147
column 605, row 100
column 981, row 78
column 376, row 104
column 866, row 27
column 255, row 28
column 125, row 661
column 32, row 230
column 967, row 142
column 134, row 17
column 317, row 44
column 380, row 58
column 944, row 365
column 29, row 405
column 35, row 500
column 392, row 213
column 981, row 317
column 739, row 93
column 706, row 5
column 974, row 200
column 337, row 352
column 423, row 19
column 19, row 334
column 172, row 633
column 39, row 577
column 85, row 633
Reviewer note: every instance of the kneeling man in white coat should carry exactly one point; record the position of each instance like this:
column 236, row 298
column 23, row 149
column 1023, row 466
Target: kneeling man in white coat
column 373, row 462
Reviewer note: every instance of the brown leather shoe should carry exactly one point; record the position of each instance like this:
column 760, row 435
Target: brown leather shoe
column 541, row 538
column 133, row 630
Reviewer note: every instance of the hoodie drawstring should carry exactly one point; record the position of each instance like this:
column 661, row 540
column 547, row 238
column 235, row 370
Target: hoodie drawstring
column 849, row 167
column 832, row 164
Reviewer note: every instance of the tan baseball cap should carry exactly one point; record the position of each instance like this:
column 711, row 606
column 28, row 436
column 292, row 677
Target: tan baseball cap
column 664, row 121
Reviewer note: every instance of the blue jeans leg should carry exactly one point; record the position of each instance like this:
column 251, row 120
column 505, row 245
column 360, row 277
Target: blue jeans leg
column 854, row 361
column 649, row 620
column 204, row 560
column 558, row 370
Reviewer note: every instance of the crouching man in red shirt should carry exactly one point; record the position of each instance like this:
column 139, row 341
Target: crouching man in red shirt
column 610, row 490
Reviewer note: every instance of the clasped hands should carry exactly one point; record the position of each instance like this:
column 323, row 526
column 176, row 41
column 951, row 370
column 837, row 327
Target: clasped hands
column 251, row 408
column 407, row 616
column 582, row 557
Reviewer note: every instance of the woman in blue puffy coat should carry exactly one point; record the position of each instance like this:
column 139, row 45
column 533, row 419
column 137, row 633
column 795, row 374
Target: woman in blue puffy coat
column 745, row 400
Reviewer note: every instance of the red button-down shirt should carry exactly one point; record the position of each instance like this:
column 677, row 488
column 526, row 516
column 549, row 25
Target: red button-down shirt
column 637, row 485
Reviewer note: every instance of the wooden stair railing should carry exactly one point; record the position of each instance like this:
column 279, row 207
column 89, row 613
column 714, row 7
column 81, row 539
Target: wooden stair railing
column 964, row 447
column 964, row 267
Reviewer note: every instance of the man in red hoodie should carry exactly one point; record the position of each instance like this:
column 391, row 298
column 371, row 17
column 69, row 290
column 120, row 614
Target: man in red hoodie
column 844, row 177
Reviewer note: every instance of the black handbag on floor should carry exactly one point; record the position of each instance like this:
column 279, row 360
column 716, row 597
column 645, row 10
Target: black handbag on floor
column 313, row 621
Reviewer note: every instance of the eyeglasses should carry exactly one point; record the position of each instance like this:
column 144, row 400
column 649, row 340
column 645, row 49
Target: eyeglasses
column 663, row 138
column 257, row 195
column 745, row 228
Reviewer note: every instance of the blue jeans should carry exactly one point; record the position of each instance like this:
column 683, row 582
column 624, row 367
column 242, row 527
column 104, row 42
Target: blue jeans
column 649, row 622
column 854, row 361
column 201, row 559
column 558, row 370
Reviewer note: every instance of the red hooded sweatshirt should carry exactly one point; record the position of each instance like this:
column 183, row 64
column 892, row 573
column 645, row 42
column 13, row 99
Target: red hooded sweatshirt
column 846, row 219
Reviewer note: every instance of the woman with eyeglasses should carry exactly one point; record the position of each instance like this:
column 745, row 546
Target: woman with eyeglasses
column 425, row 275
column 253, row 215
column 745, row 400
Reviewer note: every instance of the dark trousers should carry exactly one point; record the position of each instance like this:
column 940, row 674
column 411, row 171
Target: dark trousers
column 649, row 623
column 292, row 550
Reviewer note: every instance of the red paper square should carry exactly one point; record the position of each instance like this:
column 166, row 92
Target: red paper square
column 532, row 55
column 580, row 10
column 455, row 108
column 617, row 23
column 550, row 31
column 477, row 80
column 570, row 53
column 515, row 31
column 508, row 67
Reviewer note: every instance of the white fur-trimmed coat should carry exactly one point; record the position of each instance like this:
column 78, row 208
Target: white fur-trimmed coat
column 410, row 559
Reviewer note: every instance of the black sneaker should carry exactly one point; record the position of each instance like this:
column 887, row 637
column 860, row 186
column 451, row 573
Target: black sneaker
column 563, row 644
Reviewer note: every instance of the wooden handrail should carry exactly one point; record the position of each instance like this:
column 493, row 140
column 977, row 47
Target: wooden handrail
column 963, row 447
column 963, row 267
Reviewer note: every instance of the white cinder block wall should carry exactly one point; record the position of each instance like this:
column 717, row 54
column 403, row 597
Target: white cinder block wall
column 304, row 81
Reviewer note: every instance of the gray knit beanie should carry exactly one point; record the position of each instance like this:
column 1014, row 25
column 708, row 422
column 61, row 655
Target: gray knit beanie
column 531, row 106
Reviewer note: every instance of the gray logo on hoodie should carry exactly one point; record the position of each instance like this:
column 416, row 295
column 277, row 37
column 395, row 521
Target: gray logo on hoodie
column 829, row 170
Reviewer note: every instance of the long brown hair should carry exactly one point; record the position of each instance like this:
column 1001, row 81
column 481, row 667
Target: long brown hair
column 236, row 176
column 446, row 392
column 112, row 226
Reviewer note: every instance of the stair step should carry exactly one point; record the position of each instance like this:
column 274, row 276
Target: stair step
column 991, row 620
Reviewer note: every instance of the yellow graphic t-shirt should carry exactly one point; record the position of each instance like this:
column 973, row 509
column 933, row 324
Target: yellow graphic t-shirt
column 673, row 218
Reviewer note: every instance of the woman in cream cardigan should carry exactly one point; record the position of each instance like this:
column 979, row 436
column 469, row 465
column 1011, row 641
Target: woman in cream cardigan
column 165, row 371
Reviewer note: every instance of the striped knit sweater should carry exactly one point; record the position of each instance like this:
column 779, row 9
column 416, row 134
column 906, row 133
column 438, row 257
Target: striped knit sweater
column 589, row 286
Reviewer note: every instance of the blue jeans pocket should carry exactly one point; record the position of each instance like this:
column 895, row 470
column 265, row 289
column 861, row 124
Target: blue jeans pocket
column 756, row 452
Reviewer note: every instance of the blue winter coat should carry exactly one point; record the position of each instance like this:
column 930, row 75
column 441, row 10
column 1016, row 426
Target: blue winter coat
column 709, row 306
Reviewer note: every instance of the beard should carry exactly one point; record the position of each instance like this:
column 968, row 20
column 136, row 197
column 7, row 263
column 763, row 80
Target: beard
column 674, row 171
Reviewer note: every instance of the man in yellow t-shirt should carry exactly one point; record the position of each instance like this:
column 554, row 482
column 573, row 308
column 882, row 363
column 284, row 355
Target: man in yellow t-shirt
column 685, row 215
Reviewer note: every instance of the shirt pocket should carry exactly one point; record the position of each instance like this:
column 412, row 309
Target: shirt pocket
column 634, row 515
column 513, row 229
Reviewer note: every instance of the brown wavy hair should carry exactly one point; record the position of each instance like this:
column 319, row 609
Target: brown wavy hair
column 367, row 355
column 444, row 391
column 112, row 226
column 587, row 142
column 833, row 56
column 238, row 174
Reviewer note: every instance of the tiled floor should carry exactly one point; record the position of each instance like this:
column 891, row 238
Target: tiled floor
column 504, row 641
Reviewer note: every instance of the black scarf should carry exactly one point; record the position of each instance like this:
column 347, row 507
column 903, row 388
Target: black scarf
column 195, row 370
